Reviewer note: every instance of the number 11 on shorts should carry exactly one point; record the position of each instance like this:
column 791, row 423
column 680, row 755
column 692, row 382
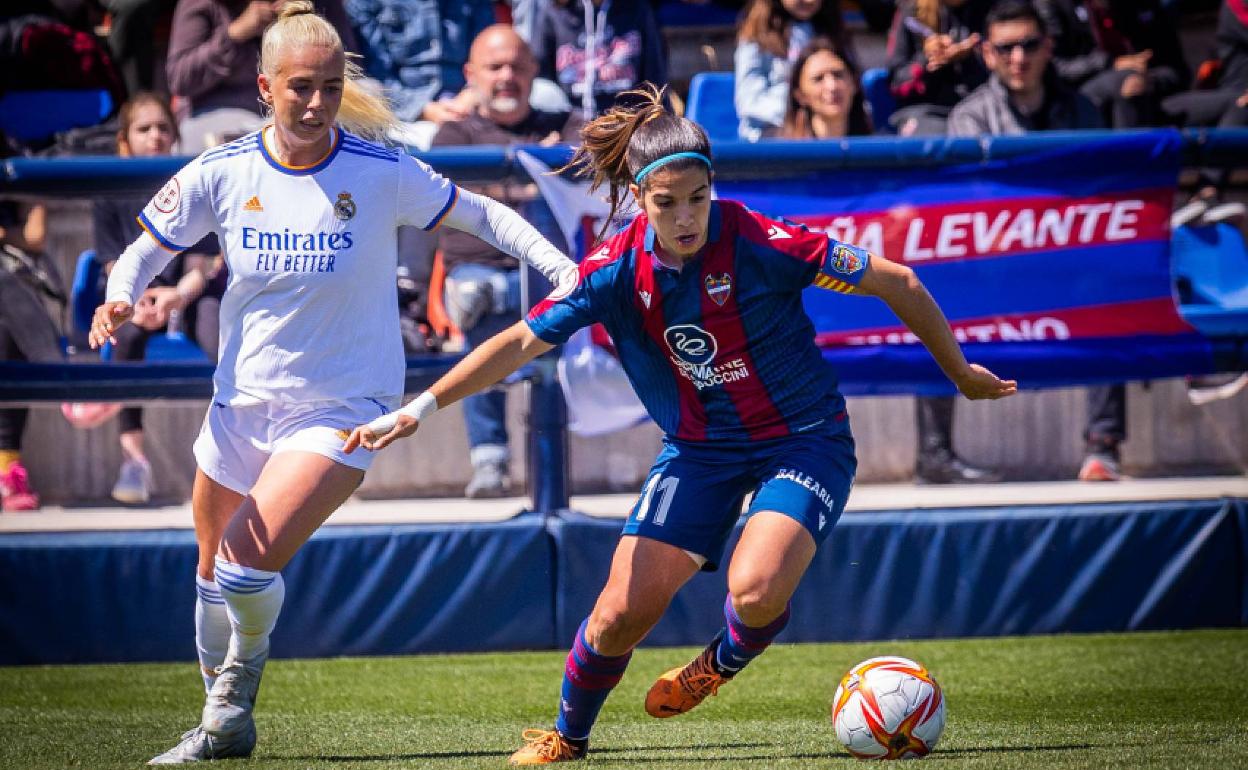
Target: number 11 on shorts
column 666, row 488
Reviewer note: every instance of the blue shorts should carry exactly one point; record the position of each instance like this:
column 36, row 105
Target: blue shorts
column 693, row 494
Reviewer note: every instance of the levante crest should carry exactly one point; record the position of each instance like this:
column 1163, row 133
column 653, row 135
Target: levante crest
column 718, row 288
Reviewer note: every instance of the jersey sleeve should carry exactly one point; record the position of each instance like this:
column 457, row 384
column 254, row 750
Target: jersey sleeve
column 425, row 196
column 825, row 262
column 181, row 214
column 569, row 307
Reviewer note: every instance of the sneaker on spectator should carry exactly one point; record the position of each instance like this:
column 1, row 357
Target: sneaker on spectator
column 134, row 483
column 1189, row 212
column 489, row 479
column 1215, row 387
column 1223, row 212
column 15, row 492
column 1100, row 467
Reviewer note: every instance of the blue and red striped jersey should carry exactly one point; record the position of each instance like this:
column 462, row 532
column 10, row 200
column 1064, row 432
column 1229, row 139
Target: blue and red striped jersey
column 720, row 350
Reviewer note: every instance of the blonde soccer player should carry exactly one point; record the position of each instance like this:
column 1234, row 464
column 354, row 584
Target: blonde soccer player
column 306, row 210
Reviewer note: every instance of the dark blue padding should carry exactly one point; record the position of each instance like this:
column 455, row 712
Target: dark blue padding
column 1211, row 262
column 970, row 572
column 711, row 105
column 129, row 596
column 527, row 583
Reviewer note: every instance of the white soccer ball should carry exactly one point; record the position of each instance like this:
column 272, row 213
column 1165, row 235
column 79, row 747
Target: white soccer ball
column 888, row 708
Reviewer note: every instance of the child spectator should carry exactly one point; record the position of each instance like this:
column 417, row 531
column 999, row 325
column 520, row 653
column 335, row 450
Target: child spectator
column 932, row 61
column 824, row 100
column 181, row 290
column 773, row 33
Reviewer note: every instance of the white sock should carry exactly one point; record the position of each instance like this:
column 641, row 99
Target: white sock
column 212, row 628
column 253, row 599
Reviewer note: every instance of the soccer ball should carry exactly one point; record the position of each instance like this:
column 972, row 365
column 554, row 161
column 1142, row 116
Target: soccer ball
column 888, row 708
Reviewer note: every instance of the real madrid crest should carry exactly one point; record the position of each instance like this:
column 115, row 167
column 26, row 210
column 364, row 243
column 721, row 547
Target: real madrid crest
column 344, row 208
column 719, row 288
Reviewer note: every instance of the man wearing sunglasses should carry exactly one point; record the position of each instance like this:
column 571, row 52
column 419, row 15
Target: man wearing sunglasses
column 1024, row 94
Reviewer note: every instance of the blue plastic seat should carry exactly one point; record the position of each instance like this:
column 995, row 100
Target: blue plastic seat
column 711, row 105
column 878, row 94
column 84, row 298
column 36, row 115
column 1211, row 263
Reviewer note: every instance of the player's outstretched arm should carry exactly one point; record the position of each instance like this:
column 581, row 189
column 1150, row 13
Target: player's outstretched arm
column 508, row 232
column 905, row 294
column 487, row 364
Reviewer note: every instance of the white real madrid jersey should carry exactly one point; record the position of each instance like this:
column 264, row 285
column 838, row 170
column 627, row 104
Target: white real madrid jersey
column 310, row 312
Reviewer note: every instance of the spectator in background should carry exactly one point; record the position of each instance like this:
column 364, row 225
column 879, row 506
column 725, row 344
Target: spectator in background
column 932, row 62
column 214, row 52
column 416, row 49
column 28, row 282
column 138, row 40
column 1221, row 102
column 773, row 33
column 824, row 100
column 180, row 291
column 596, row 49
column 1124, row 55
column 1024, row 94
column 482, row 293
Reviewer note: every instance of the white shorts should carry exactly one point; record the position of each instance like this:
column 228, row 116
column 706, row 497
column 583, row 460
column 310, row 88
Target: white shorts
column 236, row 441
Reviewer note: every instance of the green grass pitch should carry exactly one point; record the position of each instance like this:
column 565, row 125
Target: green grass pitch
column 1165, row 700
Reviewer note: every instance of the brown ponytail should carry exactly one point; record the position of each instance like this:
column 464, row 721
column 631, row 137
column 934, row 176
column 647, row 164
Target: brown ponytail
column 628, row 137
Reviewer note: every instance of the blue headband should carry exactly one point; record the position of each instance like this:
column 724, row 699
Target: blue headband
column 668, row 159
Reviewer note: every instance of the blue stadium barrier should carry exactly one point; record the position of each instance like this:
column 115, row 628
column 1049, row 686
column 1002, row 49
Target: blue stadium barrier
column 1210, row 263
column 527, row 583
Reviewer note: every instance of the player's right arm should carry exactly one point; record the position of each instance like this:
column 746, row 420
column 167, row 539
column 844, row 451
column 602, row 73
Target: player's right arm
column 176, row 218
column 486, row 365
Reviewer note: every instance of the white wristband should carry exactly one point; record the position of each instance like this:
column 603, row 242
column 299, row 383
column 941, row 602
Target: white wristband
column 420, row 407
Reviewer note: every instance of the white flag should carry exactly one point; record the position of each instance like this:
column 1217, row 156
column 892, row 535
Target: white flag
column 600, row 398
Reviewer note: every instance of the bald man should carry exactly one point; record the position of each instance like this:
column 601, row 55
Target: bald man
column 483, row 284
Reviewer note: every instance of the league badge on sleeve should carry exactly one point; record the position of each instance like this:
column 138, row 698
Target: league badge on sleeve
column 718, row 288
column 344, row 209
column 845, row 259
column 169, row 197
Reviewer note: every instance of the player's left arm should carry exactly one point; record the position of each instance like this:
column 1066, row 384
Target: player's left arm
column 906, row 295
column 487, row 364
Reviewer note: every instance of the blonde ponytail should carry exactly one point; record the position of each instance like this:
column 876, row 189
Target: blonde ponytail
column 363, row 111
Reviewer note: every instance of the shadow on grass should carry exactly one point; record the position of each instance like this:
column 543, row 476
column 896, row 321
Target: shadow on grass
column 597, row 752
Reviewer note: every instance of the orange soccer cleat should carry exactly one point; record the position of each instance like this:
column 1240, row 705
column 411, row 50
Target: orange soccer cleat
column 542, row 747
column 680, row 689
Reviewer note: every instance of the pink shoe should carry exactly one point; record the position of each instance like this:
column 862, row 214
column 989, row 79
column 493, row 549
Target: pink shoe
column 15, row 491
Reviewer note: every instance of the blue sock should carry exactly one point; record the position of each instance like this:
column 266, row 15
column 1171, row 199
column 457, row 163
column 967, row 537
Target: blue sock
column 588, row 678
column 739, row 643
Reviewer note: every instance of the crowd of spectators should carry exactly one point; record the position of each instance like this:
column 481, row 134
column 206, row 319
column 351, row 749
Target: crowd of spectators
column 182, row 75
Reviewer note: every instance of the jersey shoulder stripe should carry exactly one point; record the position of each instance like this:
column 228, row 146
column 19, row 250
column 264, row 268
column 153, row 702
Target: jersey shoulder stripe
column 246, row 144
column 366, row 153
column 361, row 146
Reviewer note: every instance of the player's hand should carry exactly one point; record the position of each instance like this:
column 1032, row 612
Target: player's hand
column 108, row 317
column 364, row 436
column 979, row 383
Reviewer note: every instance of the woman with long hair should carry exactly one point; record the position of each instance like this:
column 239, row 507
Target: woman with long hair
column 308, row 212
column 772, row 35
column 147, row 128
column 702, row 299
column 824, row 100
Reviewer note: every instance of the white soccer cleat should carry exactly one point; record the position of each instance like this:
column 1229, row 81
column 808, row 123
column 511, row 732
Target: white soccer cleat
column 230, row 702
column 198, row 746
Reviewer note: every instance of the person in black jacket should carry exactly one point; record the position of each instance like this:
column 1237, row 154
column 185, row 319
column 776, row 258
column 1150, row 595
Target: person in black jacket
column 1124, row 55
